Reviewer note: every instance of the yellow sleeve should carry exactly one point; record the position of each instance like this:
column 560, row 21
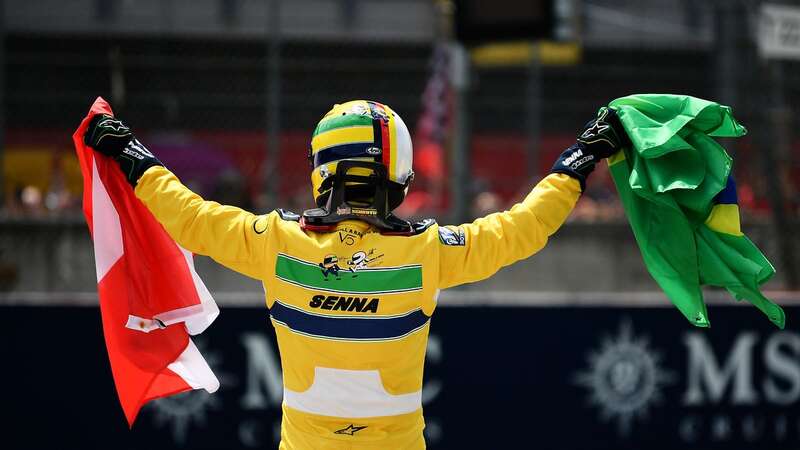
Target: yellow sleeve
column 475, row 251
column 233, row 237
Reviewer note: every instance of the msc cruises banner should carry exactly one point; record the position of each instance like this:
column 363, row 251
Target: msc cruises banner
column 500, row 377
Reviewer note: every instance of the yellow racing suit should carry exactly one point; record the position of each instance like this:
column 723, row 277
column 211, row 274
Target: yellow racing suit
column 351, row 307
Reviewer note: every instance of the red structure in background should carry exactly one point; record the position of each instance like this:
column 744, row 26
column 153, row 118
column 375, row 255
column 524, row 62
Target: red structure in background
column 44, row 159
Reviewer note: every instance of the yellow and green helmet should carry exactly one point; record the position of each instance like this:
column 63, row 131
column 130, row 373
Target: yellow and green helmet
column 361, row 130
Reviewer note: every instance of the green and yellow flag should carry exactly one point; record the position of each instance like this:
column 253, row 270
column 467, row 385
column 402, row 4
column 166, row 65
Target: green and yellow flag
column 676, row 187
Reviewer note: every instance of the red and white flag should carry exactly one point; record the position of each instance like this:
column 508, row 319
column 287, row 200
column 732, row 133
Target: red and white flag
column 151, row 298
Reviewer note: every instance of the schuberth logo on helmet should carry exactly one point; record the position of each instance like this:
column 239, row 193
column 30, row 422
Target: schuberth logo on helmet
column 374, row 151
column 369, row 212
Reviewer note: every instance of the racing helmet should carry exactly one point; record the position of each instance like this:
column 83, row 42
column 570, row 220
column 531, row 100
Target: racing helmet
column 365, row 133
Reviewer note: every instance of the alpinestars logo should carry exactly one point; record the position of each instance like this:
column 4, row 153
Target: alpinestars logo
column 350, row 430
column 624, row 378
column 594, row 130
column 113, row 124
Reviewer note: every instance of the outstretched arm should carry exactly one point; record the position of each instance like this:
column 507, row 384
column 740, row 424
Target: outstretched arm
column 475, row 251
column 232, row 236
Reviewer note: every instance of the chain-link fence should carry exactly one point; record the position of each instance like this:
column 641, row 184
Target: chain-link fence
column 226, row 93
column 201, row 104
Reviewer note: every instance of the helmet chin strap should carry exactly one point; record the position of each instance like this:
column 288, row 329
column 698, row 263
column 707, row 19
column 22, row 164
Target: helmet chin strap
column 339, row 207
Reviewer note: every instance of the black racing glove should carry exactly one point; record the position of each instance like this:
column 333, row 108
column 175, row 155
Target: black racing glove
column 601, row 137
column 113, row 138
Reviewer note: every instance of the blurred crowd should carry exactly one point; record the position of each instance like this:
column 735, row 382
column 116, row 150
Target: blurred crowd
column 46, row 182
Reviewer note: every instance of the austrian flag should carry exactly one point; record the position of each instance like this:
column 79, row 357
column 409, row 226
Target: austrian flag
column 151, row 298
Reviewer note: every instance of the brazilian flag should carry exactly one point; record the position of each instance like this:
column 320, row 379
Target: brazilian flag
column 676, row 188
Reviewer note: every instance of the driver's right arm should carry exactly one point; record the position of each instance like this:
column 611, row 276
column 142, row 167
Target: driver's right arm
column 233, row 237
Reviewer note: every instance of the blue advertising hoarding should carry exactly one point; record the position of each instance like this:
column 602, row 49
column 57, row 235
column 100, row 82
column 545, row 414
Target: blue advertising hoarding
column 496, row 377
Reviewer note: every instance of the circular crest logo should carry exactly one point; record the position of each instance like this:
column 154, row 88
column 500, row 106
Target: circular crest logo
column 624, row 378
column 182, row 410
